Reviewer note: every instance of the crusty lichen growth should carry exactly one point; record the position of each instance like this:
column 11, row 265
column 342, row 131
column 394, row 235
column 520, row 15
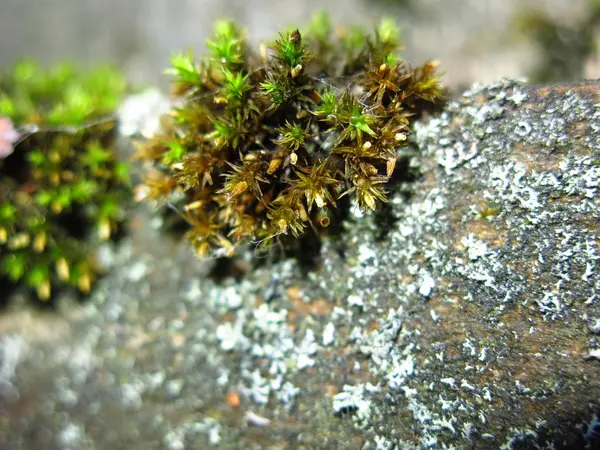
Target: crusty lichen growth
column 61, row 186
column 264, row 145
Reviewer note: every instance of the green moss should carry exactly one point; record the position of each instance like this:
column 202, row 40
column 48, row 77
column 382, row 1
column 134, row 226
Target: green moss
column 61, row 96
column 61, row 187
column 263, row 145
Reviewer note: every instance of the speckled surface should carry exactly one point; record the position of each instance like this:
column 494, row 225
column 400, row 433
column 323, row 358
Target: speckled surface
column 470, row 320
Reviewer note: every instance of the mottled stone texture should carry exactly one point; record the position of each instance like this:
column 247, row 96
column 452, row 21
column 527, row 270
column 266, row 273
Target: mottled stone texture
column 464, row 315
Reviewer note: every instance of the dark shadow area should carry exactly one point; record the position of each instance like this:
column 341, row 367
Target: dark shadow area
column 7, row 289
column 10, row 291
column 403, row 175
column 225, row 268
column 15, row 166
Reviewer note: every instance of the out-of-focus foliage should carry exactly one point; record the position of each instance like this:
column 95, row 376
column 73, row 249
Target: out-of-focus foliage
column 61, row 187
column 563, row 48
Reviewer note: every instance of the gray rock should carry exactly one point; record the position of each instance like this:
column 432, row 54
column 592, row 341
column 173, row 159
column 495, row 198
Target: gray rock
column 469, row 322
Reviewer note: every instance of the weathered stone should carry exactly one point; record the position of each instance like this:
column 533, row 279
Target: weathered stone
column 466, row 316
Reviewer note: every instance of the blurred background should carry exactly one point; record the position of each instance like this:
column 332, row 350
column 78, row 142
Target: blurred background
column 475, row 40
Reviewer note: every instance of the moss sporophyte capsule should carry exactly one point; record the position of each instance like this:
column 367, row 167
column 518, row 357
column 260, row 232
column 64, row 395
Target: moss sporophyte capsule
column 262, row 146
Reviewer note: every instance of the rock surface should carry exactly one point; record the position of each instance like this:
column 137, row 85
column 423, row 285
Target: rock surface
column 466, row 316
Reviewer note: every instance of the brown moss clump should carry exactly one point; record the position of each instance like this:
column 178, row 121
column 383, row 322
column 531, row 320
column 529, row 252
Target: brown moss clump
column 263, row 145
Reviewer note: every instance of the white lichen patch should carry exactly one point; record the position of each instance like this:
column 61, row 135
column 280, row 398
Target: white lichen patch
column 71, row 436
column 400, row 372
column 475, row 248
column 328, row 334
column 427, row 284
column 231, row 336
column 306, row 350
column 356, row 300
column 352, row 400
column 432, row 423
column 140, row 114
column 189, row 431
column 534, row 249
column 11, row 350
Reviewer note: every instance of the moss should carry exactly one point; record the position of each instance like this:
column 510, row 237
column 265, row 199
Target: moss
column 61, row 188
column 263, row 145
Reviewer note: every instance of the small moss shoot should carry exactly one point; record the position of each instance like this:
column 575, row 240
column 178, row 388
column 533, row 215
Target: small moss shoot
column 62, row 189
column 263, row 145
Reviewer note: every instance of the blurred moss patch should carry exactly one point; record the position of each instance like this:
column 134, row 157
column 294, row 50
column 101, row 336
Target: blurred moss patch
column 62, row 189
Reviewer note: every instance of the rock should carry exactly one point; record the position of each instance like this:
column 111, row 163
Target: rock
column 469, row 320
